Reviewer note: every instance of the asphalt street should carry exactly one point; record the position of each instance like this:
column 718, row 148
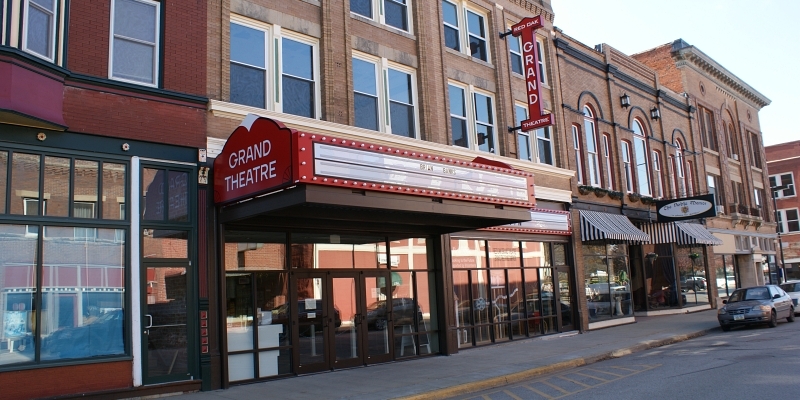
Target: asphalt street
column 746, row 363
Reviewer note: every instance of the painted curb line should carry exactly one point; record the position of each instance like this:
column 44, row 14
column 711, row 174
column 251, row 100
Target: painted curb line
column 489, row 383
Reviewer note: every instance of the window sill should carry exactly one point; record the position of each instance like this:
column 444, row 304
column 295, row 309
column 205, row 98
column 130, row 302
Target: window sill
column 385, row 27
column 469, row 57
column 710, row 151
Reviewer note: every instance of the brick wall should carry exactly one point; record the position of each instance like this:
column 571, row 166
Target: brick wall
column 66, row 380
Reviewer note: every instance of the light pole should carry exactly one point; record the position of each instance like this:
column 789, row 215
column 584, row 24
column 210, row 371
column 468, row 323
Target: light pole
column 774, row 190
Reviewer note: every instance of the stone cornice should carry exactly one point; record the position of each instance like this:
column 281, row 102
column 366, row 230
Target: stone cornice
column 535, row 9
column 695, row 57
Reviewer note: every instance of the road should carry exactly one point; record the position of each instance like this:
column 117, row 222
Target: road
column 752, row 362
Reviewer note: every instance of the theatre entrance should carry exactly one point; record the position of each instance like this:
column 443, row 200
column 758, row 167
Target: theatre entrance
column 342, row 319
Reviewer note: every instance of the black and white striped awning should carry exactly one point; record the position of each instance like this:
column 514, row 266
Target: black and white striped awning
column 599, row 225
column 680, row 233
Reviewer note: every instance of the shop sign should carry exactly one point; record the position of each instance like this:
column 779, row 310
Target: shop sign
column 542, row 221
column 527, row 29
column 686, row 208
column 426, row 176
column 257, row 158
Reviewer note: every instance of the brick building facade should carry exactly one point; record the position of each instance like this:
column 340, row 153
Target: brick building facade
column 783, row 167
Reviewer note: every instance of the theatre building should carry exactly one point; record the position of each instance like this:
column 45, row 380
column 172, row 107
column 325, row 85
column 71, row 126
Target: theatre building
column 374, row 198
column 100, row 126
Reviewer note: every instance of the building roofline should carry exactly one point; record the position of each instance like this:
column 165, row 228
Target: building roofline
column 682, row 51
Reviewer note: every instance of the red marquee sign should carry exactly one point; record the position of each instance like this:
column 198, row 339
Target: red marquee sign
column 257, row 158
column 527, row 29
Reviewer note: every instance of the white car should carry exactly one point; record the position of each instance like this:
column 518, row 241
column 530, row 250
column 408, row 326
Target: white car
column 792, row 288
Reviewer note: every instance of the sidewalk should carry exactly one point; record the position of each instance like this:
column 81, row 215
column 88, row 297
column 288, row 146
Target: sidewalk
column 477, row 369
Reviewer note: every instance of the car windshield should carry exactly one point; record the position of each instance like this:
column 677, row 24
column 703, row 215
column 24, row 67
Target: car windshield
column 759, row 293
column 791, row 287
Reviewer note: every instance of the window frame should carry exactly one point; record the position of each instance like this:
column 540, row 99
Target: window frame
column 625, row 149
column 783, row 222
column 463, row 10
column 658, row 178
column 755, row 150
column 542, row 62
column 378, row 9
column 715, row 183
column 592, row 157
column 707, row 129
column 378, row 71
column 53, row 25
column 515, row 55
column 470, row 103
column 269, row 65
column 315, row 69
column 609, row 170
column 520, row 108
column 779, row 194
column 576, row 145
column 642, row 166
column 157, row 45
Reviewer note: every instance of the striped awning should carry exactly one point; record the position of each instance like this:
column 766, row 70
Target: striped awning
column 599, row 225
column 680, row 233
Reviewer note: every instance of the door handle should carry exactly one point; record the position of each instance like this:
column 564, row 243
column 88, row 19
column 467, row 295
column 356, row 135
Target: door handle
column 150, row 317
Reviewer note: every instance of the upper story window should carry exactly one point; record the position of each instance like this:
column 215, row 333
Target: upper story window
column 755, row 147
column 274, row 72
column 733, row 142
column 135, row 41
column 658, row 179
column 640, row 157
column 626, row 166
column 389, row 12
column 515, row 54
column 398, row 114
column 707, row 130
column 576, row 146
column 783, row 181
column 715, row 188
column 592, row 162
column 39, row 29
column 608, row 170
column 472, row 118
column 788, row 221
column 457, row 16
column 541, row 147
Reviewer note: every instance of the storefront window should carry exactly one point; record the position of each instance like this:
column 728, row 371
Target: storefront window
column 325, row 251
column 25, row 184
column 3, row 180
column 18, row 275
column 162, row 243
column 661, row 279
column 254, row 251
column 56, row 188
column 607, row 276
column 690, row 261
column 725, row 271
column 511, row 296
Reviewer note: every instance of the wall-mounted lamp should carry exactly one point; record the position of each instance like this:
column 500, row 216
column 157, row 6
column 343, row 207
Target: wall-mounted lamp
column 655, row 113
column 625, row 100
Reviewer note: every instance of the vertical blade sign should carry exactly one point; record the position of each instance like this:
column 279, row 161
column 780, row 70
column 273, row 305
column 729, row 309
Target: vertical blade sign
column 527, row 29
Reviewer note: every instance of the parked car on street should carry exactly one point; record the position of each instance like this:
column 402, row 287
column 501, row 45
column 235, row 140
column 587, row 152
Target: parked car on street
column 792, row 288
column 756, row 305
column 694, row 283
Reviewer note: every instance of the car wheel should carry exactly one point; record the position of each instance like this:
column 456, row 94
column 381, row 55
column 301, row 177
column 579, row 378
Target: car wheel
column 790, row 318
column 725, row 328
column 773, row 319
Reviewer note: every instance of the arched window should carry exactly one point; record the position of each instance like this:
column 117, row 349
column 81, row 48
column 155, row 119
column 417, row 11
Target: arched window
column 640, row 158
column 680, row 181
column 592, row 162
column 734, row 142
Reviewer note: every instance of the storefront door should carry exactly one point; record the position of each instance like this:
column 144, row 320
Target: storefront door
column 334, row 327
column 164, row 322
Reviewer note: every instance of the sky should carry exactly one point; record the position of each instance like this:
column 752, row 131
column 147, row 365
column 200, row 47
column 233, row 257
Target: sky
column 757, row 41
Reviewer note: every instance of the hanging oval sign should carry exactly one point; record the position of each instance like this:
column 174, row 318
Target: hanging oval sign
column 685, row 208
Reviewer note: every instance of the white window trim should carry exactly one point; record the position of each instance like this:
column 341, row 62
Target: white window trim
column 658, row 178
column 157, row 46
column 518, row 40
column 382, row 75
column 536, row 145
column 576, row 140
column 472, row 121
column 52, row 31
column 779, row 182
column 783, row 222
column 531, row 145
column 542, row 61
column 270, row 77
column 459, row 19
column 626, row 165
column 278, row 41
column 463, row 29
column 379, row 15
column 592, row 158
column 607, row 158
column 641, row 138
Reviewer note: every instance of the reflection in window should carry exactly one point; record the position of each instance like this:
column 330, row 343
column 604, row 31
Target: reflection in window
column 83, row 295
column 162, row 243
column 24, row 183
column 57, row 186
column 298, row 78
column 254, row 251
column 40, row 28
column 607, row 281
column 18, row 276
column 135, row 40
column 3, row 180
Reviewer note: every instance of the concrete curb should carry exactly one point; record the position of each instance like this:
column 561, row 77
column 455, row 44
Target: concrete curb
column 489, row 383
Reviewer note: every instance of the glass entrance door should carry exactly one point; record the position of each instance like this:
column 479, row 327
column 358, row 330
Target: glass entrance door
column 344, row 319
column 164, row 322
